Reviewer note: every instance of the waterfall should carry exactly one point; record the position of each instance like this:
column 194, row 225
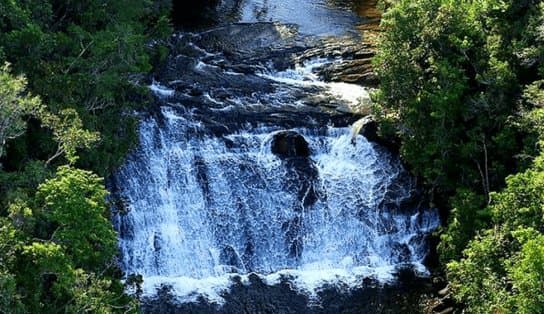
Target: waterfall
column 202, row 208
column 204, row 202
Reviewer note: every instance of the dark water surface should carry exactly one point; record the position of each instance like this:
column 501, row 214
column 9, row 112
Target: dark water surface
column 313, row 17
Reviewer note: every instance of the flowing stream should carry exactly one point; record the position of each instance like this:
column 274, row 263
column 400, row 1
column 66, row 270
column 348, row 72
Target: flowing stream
column 205, row 201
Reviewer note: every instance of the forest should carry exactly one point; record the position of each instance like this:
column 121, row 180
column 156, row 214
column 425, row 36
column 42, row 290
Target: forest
column 461, row 85
column 461, row 88
column 67, row 85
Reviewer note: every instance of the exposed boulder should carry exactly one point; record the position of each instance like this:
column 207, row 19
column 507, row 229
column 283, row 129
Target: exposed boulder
column 369, row 128
column 302, row 179
column 355, row 65
column 358, row 71
column 302, row 175
column 290, row 144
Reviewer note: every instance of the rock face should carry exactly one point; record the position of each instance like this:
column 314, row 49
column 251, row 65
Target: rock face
column 294, row 148
column 358, row 68
column 231, row 78
column 290, row 144
column 357, row 71
column 302, row 178
column 356, row 64
column 257, row 297
column 369, row 128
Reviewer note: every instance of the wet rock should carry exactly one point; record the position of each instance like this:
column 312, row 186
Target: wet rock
column 302, row 173
column 125, row 229
column 201, row 173
column 356, row 66
column 157, row 242
column 407, row 274
column 228, row 256
column 369, row 128
column 293, row 237
column 357, row 71
column 254, row 41
column 218, row 72
column 302, row 180
column 401, row 252
column 290, row 144
column 257, row 297
column 249, row 254
column 195, row 92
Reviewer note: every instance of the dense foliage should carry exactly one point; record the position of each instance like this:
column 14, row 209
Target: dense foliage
column 461, row 85
column 82, row 55
column 13, row 108
column 69, row 73
column 502, row 269
column 60, row 248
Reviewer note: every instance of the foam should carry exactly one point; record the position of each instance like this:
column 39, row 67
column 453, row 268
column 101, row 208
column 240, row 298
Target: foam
column 161, row 90
column 308, row 280
column 304, row 75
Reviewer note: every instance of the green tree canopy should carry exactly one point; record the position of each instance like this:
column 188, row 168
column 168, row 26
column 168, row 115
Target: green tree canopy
column 58, row 252
column 75, row 202
column 15, row 106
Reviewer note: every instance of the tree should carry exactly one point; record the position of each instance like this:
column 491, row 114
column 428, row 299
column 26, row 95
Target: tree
column 451, row 79
column 462, row 86
column 69, row 133
column 503, row 269
column 85, row 60
column 446, row 86
column 87, row 56
column 95, row 294
column 57, row 250
column 10, row 246
column 75, row 201
column 15, row 106
column 527, row 272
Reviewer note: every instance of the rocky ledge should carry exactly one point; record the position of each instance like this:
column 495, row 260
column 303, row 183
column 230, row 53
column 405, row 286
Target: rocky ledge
column 258, row 297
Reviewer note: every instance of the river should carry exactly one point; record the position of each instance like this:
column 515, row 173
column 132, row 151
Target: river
column 251, row 191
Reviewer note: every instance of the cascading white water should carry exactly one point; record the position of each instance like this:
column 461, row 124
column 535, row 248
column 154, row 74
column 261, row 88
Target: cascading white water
column 202, row 208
